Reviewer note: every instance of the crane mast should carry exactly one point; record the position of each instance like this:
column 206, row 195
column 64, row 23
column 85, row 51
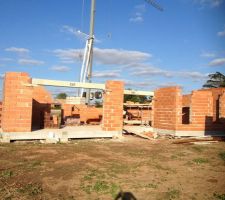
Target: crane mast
column 86, row 69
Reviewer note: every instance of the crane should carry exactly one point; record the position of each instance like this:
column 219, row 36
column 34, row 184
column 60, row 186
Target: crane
column 86, row 69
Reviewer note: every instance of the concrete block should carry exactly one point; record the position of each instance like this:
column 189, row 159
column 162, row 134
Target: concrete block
column 51, row 140
column 4, row 138
column 63, row 138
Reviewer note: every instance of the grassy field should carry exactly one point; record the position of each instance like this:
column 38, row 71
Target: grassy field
column 105, row 169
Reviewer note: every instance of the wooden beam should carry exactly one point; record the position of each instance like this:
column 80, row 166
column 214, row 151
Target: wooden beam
column 71, row 84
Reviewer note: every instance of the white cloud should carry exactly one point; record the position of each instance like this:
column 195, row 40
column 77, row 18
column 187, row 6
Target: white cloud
column 221, row 33
column 104, row 56
column 208, row 55
column 30, row 62
column 77, row 33
column 130, row 83
column 106, row 74
column 60, row 68
column 136, row 19
column 138, row 14
column 142, row 69
column 192, row 75
column 212, row 3
column 74, row 31
column 2, row 76
column 140, row 8
column 69, row 55
column 147, row 70
column 217, row 62
column 119, row 56
column 17, row 50
column 6, row 59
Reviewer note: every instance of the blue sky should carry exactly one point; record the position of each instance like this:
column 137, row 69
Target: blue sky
column 135, row 42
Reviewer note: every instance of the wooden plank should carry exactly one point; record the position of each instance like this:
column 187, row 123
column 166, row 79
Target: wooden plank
column 139, row 131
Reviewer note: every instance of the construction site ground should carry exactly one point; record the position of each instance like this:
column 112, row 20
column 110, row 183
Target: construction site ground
column 102, row 168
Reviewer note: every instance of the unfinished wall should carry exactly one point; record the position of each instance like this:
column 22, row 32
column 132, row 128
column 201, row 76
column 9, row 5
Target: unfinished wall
column 186, row 100
column 140, row 113
column 0, row 114
column 87, row 114
column 17, row 102
column 167, row 108
column 222, row 107
column 113, row 106
column 196, row 113
column 42, row 100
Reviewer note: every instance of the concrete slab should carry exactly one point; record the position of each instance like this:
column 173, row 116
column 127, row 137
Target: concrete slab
column 63, row 134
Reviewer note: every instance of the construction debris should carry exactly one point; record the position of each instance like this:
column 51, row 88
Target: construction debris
column 141, row 131
column 199, row 140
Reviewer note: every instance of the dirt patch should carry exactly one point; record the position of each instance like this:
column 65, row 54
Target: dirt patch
column 103, row 169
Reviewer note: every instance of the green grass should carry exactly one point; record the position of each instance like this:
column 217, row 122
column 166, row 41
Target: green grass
column 200, row 160
column 96, row 181
column 222, row 155
column 31, row 189
column 151, row 185
column 198, row 148
column 6, row 174
column 219, row 196
column 172, row 194
column 101, row 186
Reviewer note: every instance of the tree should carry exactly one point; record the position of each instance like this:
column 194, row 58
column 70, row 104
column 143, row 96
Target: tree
column 136, row 98
column 61, row 96
column 215, row 80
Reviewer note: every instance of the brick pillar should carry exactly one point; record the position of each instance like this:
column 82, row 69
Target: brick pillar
column 222, row 107
column 202, row 108
column 113, row 106
column 167, row 107
column 17, row 102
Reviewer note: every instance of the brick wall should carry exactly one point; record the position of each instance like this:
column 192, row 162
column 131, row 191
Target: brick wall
column 113, row 106
column 186, row 100
column 144, row 113
column 222, row 107
column 167, row 108
column 216, row 92
column 0, row 114
column 42, row 100
column 168, row 104
column 17, row 102
column 201, row 108
column 86, row 113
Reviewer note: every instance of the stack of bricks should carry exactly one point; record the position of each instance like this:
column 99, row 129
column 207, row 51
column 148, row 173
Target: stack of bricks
column 51, row 121
column 84, row 112
column 113, row 106
column 142, row 113
column 17, row 102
